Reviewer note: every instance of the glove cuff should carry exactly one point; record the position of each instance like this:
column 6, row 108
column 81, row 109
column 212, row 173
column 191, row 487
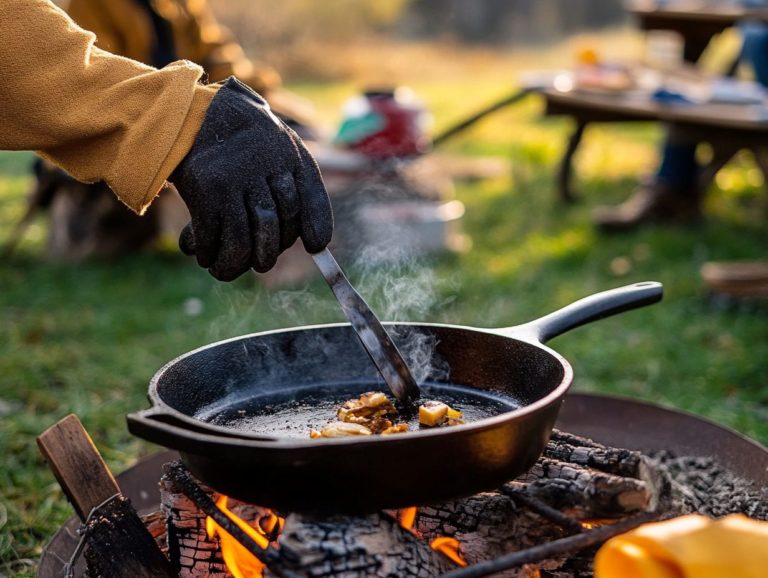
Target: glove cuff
column 226, row 115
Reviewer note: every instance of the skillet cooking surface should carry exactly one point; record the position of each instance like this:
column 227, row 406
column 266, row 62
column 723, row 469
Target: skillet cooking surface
column 292, row 413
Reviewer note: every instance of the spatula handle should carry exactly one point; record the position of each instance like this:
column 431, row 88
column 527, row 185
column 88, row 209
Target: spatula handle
column 375, row 339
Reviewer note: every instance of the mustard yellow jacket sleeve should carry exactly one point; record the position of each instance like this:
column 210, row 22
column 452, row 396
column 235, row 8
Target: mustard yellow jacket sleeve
column 123, row 27
column 99, row 116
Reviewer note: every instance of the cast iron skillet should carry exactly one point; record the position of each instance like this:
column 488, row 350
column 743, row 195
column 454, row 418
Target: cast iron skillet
column 239, row 411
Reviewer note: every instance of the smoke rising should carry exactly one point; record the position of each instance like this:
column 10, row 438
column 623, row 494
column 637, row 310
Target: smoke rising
column 403, row 288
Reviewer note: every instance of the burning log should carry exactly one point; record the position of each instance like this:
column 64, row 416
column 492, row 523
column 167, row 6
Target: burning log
column 582, row 492
column 119, row 544
column 356, row 547
column 190, row 549
column 575, row 449
column 525, row 560
column 588, row 480
column 345, row 547
column 585, row 479
column 192, row 546
column 487, row 525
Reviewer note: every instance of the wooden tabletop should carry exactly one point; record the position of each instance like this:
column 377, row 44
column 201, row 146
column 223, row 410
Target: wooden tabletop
column 594, row 107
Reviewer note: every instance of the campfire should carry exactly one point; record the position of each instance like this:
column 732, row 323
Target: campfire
column 577, row 487
column 546, row 523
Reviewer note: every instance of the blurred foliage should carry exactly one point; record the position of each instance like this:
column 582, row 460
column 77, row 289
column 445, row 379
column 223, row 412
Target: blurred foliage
column 297, row 20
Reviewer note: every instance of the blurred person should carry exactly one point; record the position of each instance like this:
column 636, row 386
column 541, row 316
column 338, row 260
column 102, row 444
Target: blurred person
column 251, row 186
column 87, row 220
column 674, row 193
column 158, row 32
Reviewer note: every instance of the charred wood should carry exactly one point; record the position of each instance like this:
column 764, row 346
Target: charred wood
column 574, row 449
column 488, row 525
column 582, row 492
column 560, row 548
column 118, row 543
column 157, row 528
column 190, row 503
column 356, row 547
column 190, row 550
column 568, row 524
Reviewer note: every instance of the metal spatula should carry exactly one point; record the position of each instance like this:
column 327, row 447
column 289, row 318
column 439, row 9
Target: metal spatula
column 375, row 339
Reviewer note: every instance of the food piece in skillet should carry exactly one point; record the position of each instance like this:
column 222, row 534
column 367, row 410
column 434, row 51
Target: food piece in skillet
column 374, row 413
column 373, row 410
column 395, row 429
column 339, row 429
column 437, row 413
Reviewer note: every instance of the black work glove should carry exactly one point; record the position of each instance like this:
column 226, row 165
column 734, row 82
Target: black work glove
column 251, row 187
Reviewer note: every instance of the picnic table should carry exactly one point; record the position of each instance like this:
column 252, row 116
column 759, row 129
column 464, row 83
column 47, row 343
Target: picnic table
column 727, row 127
column 696, row 21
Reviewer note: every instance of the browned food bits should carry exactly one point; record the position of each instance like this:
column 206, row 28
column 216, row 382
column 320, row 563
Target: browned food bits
column 339, row 429
column 395, row 429
column 374, row 413
column 372, row 410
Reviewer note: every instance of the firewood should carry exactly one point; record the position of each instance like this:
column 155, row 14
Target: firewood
column 488, row 525
column 574, row 449
column 492, row 524
column 119, row 544
column 583, row 492
column 192, row 551
column 560, row 548
column 373, row 546
column 586, row 479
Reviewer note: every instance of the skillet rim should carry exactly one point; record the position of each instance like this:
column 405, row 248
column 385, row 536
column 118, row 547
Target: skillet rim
column 222, row 435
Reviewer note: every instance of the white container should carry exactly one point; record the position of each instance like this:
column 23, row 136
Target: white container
column 412, row 227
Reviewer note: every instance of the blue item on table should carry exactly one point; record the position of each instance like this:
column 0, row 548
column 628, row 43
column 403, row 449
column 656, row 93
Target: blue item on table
column 664, row 95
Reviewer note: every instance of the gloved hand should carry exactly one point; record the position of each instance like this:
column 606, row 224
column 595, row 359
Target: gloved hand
column 251, row 187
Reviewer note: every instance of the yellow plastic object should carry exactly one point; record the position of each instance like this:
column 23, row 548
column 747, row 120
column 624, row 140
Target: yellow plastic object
column 688, row 547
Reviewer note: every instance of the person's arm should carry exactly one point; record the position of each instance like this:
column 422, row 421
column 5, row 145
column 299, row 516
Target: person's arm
column 215, row 48
column 251, row 186
column 98, row 17
column 97, row 115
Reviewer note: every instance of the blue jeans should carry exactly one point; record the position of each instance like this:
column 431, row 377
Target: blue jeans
column 678, row 167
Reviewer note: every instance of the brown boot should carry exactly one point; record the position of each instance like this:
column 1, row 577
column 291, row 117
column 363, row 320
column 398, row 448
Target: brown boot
column 654, row 202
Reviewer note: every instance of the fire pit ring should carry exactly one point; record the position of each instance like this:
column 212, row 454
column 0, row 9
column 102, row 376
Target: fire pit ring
column 617, row 421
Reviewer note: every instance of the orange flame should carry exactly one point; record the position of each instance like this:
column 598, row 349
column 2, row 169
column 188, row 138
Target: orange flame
column 448, row 547
column 407, row 517
column 591, row 523
column 239, row 561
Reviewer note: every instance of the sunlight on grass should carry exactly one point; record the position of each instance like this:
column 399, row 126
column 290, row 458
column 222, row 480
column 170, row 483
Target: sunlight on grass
column 538, row 249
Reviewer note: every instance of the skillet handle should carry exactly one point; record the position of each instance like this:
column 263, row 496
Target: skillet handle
column 142, row 424
column 156, row 426
column 588, row 309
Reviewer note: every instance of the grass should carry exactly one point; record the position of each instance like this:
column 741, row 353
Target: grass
column 87, row 338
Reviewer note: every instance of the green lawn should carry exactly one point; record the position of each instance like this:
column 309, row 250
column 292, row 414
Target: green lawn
column 87, row 338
